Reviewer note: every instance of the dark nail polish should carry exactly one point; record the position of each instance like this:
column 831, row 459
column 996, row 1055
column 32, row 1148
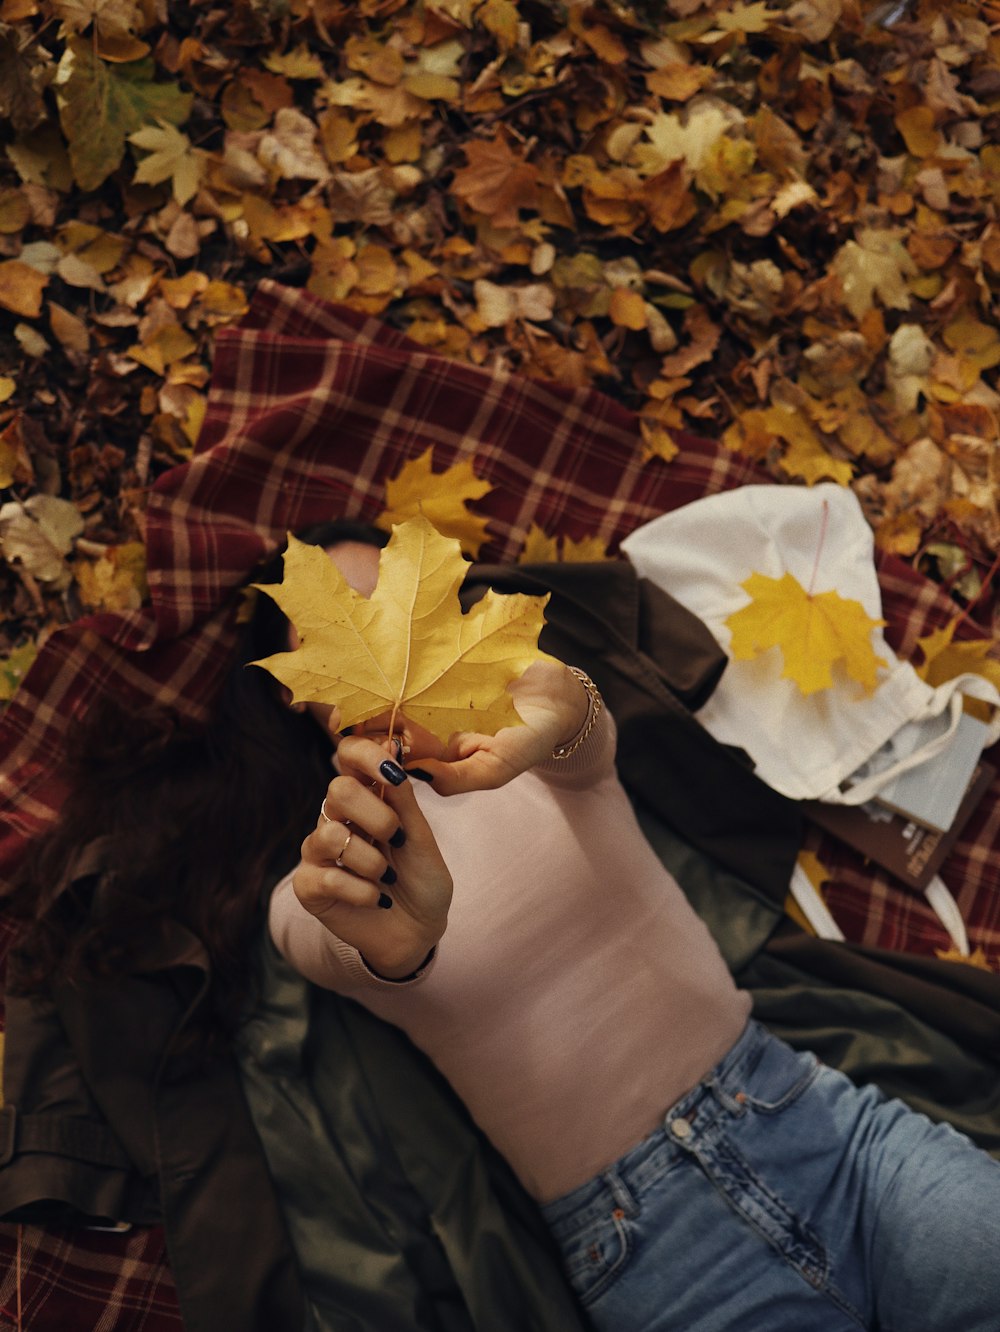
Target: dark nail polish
column 398, row 838
column 420, row 774
column 384, row 901
column 389, row 876
column 392, row 772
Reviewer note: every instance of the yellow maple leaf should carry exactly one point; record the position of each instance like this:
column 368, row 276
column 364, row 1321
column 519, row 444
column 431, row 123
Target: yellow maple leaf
column 408, row 648
column 876, row 264
column 541, row 549
column 298, row 64
column 100, row 104
column 944, row 659
column 170, row 157
column 440, row 497
column 977, row 958
column 813, row 630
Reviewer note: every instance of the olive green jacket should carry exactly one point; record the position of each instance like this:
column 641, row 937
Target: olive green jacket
column 320, row 1174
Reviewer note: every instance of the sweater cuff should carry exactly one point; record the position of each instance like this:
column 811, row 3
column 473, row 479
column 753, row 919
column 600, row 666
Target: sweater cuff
column 357, row 971
column 592, row 759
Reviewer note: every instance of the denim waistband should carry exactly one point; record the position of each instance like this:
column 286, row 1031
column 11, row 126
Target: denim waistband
column 627, row 1178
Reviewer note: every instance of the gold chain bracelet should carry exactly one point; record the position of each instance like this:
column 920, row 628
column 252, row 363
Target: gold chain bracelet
column 595, row 704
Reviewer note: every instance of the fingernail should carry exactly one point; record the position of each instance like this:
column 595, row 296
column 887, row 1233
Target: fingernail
column 392, row 772
column 420, row 774
column 384, row 901
column 398, row 838
column 389, row 876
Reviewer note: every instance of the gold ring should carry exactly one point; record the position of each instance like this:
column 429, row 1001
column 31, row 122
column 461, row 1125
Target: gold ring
column 322, row 810
column 339, row 862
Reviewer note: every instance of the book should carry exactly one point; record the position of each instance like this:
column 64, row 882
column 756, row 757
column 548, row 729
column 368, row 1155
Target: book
column 931, row 791
column 907, row 849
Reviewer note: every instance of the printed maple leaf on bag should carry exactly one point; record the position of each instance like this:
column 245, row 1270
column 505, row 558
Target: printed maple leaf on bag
column 408, row 648
column 814, row 630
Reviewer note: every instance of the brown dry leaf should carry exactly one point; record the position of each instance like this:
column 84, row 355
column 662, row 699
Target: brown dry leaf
column 814, row 632
column 39, row 534
column 291, row 148
column 496, row 306
column 919, row 132
column 166, row 346
column 180, row 292
column 116, row 580
column 71, row 331
column 704, row 338
column 298, row 64
column 439, row 497
column 21, row 288
column 876, row 264
column 407, row 649
column 15, row 461
column 501, row 18
column 677, row 81
column 496, row 181
column 627, row 308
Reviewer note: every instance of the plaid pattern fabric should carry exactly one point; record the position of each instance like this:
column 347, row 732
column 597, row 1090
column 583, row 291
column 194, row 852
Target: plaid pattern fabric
column 312, row 407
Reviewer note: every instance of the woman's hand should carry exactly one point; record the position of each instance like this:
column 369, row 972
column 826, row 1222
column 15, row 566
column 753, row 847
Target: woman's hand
column 552, row 704
column 376, row 852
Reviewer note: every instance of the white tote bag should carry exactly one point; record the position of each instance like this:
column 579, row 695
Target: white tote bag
column 805, row 746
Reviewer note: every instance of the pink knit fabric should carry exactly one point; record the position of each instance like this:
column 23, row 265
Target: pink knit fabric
column 575, row 995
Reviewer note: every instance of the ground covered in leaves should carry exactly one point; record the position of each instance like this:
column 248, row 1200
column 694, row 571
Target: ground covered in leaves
column 770, row 221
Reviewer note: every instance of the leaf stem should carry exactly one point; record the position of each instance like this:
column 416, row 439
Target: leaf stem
column 819, row 547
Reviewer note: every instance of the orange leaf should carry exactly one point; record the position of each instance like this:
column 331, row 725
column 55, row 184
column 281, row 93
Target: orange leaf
column 627, row 308
column 605, row 44
column 918, row 130
column 21, row 288
column 677, row 82
column 496, row 180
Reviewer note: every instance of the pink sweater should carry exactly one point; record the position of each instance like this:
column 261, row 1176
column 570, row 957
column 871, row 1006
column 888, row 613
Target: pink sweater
column 575, row 995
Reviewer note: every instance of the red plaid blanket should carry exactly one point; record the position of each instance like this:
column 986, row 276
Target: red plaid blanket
column 312, row 407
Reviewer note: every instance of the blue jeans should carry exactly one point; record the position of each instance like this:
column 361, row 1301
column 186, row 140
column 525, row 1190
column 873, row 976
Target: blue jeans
column 779, row 1197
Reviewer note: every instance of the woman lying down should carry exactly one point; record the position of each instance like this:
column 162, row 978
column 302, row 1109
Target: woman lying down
column 496, row 900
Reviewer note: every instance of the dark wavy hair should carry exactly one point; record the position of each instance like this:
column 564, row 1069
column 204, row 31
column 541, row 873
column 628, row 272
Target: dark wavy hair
column 199, row 818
